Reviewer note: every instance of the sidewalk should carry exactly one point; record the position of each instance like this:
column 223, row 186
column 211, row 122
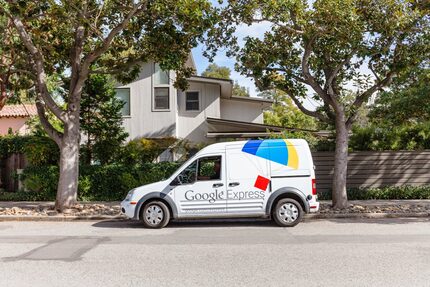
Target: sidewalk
column 44, row 211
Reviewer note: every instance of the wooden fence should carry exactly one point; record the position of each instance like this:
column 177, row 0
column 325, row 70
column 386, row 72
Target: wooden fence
column 365, row 169
column 8, row 170
column 376, row 169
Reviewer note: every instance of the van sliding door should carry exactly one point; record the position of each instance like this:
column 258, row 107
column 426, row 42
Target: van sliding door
column 248, row 183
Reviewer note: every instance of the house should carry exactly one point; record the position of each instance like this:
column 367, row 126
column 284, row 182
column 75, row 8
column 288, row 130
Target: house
column 205, row 112
column 14, row 117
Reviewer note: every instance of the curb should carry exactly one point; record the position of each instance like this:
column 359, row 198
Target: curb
column 59, row 218
column 366, row 215
column 4, row 218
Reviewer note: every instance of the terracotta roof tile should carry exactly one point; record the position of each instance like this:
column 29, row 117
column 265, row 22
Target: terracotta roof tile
column 15, row 111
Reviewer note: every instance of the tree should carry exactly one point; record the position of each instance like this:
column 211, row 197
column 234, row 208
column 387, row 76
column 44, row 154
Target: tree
column 13, row 76
column 221, row 72
column 324, row 46
column 284, row 113
column 79, row 38
column 101, row 120
column 215, row 71
column 408, row 100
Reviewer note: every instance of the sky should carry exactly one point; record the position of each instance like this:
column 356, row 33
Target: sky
column 255, row 30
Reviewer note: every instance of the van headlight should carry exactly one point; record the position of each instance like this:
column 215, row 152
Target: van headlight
column 129, row 195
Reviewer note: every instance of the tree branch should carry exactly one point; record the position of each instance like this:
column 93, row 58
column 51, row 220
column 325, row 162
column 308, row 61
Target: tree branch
column 117, row 69
column 365, row 96
column 314, row 114
column 40, row 71
column 336, row 70
column 91, row 57
column 52, row 132
column 309, row 79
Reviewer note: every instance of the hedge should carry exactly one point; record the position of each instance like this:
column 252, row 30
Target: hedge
column 96, row 183
column 389, row 192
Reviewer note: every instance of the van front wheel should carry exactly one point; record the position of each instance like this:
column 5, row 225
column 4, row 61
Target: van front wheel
column 155, row 214
column 287, row 213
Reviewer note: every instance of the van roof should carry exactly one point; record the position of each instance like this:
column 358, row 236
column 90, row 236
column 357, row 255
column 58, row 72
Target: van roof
column 220, row 147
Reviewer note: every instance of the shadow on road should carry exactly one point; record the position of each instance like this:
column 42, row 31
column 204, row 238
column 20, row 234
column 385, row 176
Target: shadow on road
column 383, row 221
column 201, row 223
column 221, row 223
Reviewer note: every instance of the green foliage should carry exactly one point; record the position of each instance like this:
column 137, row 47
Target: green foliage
column 402, row 137
column 221, row 72
column 285, row 114
column 407, row 101
column 142, row 150
column 101, row 120
column 386, row 193
column 239, row 91
column 321, row 49
column 41, row 181
column 215, row 71
column 96, row 183
column 39, row 150
column 10, row 144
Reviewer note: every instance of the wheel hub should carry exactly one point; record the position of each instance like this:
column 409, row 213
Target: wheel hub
column 288, row 212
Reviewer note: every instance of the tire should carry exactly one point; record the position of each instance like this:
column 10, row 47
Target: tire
column 155, row 214
column 287, row 213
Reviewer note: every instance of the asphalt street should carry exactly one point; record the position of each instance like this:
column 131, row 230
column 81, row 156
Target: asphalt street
column 383, row 252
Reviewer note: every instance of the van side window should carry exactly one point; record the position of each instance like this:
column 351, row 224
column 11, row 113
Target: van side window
column 209, row 168
column 188, row 175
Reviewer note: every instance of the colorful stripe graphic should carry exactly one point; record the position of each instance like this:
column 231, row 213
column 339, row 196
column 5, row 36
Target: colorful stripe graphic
column 281, row 151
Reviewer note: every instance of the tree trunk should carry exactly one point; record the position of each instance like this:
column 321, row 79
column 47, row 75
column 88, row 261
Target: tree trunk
column 69, row 167
column 340, row 199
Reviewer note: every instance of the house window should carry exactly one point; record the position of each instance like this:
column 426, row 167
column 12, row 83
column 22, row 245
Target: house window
column 161, row 98
column 123, row 94
column 160, row 77
column 161, row 89
column 192, row 102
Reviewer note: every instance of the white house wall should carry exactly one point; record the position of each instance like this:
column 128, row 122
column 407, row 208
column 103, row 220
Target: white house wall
column 192, row 124
column 143, row 120
column 240, row 110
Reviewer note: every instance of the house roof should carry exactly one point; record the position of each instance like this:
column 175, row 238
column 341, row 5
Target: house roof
column 226, row 85
column 227, row 89
column 18, row 111
column 218, row 128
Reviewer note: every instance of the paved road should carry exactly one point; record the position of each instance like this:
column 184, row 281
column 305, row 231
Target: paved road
column 389, row 252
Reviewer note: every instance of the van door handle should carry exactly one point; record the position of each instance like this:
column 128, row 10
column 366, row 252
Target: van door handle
column 231, row 184
column 217, row 184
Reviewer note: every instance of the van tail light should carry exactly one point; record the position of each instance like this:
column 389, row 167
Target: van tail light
column 314, row 187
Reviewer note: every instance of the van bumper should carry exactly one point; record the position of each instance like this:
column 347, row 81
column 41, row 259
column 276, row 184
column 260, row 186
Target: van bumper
column 314, row 206
column 127, row 208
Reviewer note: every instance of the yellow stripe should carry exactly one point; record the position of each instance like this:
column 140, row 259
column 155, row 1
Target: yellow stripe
column 293, row 158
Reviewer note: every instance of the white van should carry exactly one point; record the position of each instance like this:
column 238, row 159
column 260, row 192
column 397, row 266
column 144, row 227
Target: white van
column 255, row 178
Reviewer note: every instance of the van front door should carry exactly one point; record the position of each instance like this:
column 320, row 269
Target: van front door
column 248, row 183
column 200, row 188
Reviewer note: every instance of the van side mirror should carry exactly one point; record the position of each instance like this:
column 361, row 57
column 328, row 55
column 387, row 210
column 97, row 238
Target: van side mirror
column 175, row 182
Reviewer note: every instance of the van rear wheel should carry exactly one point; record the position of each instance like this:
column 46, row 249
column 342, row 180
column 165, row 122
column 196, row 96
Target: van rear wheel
column 155, row 214
column 287, row 213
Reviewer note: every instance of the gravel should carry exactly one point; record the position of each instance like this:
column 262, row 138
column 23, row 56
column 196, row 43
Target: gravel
column 76, row 210
column 109, row 209
column 395, row 208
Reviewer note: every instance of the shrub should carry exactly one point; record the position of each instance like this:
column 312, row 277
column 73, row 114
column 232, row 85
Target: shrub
column 41, row 181
column 377, row 138
column 143, row 150
column 96, row 183
column 389, row 192
column 39, row 150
